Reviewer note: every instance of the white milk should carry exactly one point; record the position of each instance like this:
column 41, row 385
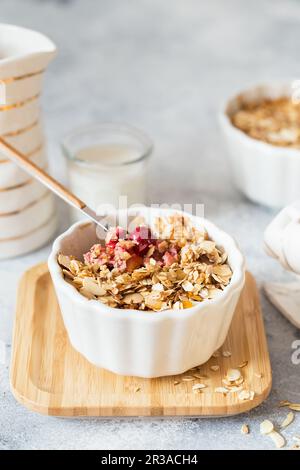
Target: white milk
column 101, row 173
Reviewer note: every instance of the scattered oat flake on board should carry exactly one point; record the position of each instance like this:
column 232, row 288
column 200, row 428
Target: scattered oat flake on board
column 137, row 389
column 243, row 364
column 215, row 368
column 188, row 378
column 176, row 382
column 200, row 377
column 198, row 386
column 226, row 354
column 233, row 375
column 288, row 420
column 245, row 429
column 246, row 395
column 258, row 375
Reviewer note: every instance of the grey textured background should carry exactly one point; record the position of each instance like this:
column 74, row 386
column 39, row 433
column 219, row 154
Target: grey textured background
column 164, row 66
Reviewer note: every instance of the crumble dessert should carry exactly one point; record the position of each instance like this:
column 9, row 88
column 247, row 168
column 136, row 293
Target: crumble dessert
column 276, row 122
column 172, row 267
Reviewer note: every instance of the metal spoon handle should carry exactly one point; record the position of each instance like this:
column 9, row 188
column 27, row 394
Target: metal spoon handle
column 41, row 175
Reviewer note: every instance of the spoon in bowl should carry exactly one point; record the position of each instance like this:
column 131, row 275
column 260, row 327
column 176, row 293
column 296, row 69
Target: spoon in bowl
column 41, row 175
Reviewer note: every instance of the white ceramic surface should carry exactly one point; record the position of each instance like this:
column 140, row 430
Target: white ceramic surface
column 18, row 198
column 18, row 91
column 14, row 119
column 282, row 242
column 29, row 219
column 30, row 240
column 27, row 141
column 11, row 175
column 24, row 56
column 131, row 342
column 282, row 237
column 265, row 173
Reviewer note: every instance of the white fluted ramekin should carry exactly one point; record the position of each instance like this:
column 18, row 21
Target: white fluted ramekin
column 265, row 173
column 145, row 344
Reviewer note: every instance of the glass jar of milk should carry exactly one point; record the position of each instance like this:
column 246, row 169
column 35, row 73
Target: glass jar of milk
column 106, row 162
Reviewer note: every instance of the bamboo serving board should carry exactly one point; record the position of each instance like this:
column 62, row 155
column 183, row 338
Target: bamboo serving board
column 50, row 377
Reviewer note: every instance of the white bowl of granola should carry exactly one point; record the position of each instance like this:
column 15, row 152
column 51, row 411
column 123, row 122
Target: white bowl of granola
column 262, row 131
column 150, row 306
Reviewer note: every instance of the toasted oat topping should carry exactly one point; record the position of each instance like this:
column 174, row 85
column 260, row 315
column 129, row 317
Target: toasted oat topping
column 147, row 271
column 276, row 121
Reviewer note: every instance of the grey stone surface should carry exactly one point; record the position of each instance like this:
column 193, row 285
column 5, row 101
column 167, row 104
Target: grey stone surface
column 164, row 66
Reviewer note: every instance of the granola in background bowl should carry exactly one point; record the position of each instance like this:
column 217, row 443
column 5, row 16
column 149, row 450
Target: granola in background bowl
column 275, row 121
column 261, row 127
column 172, row 266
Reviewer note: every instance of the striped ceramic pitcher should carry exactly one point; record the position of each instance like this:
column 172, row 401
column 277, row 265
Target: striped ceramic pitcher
column 27, row 212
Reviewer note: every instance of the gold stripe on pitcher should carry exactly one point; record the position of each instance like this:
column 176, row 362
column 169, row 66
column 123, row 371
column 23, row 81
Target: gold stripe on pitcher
column 19, row 104
column 17, row 186
column 21, row 185
column 21, row 131
column 11, row 239
column 37, row 149
column 28, row 206
column 22, row 77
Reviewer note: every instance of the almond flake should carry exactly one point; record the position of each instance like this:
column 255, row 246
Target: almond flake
column 198, row 386
column 201, row 377
column 64, row 261
column 243, row 364
column 133, row 299
column 187, row 286
column 188, row 378
column 92, row 286
column 288, row 420
column 226, row 354
column 266, row 427
column 284, row 403
column 294, row 406
column 246, row 395
column 277, row 438
column 158, row 287
column 233, row 375
column 245, row 429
